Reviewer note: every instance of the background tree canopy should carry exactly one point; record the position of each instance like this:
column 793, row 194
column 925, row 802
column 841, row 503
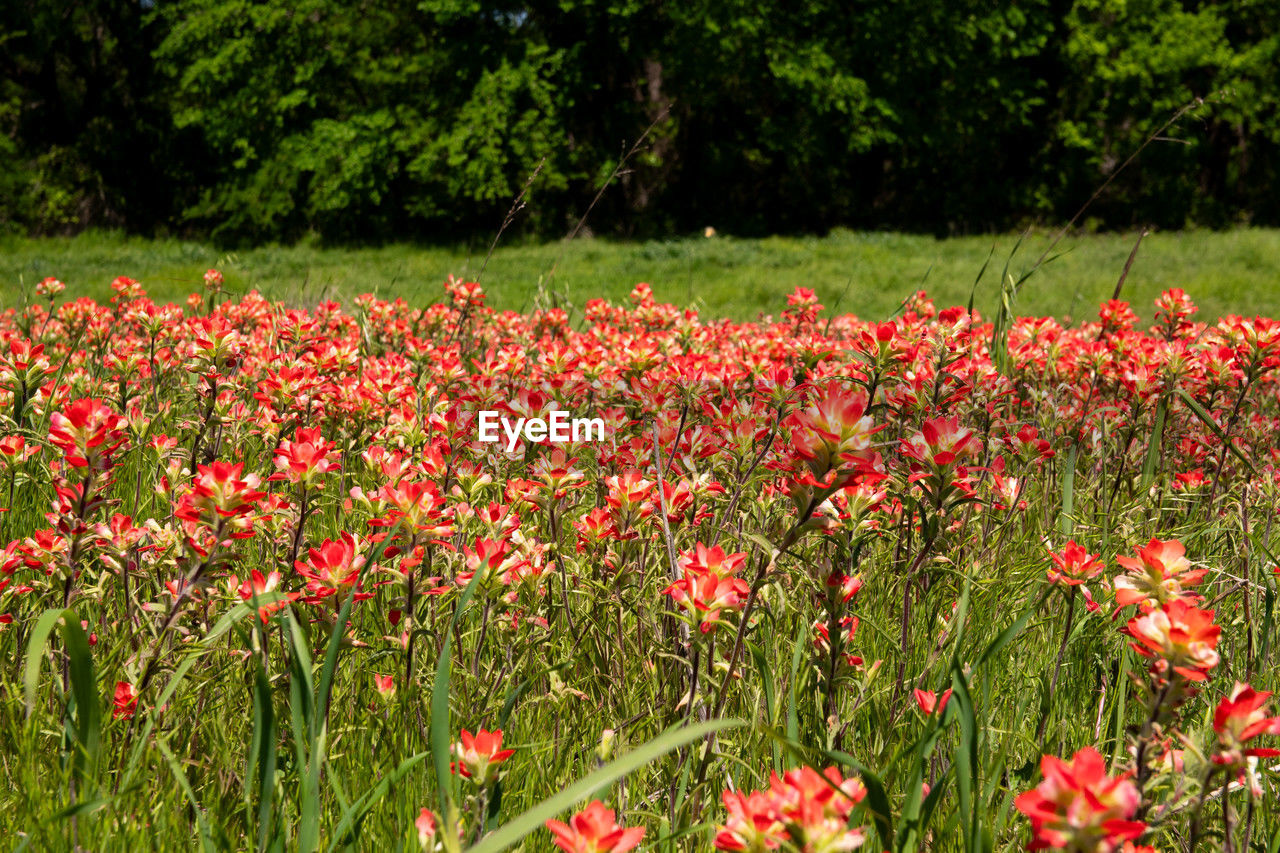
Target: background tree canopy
column 253, row 121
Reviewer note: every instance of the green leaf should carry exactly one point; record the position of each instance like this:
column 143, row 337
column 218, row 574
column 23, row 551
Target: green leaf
column 517, row 828
column 44, row 626
column 83, row 807
column 206, row 837
column 1153, row 444
column 84, row 688
column 967, row 776
column 347, row 831
column 441, row 729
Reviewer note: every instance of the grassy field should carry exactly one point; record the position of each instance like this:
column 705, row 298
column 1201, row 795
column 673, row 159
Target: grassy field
column 868, row 573
column 864, row 273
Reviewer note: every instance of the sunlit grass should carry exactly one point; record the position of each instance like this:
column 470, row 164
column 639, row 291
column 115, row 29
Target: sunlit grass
column 864, row 273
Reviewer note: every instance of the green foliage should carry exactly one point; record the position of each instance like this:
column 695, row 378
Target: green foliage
column 359, row 121
column 342, row 119
column 81, row 118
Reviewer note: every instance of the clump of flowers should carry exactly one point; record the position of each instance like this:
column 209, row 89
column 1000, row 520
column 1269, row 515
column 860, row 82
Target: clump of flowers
column 801, row 810
column 708, row 588
column 1160, row 573
column 1179, row 639
column 1241, row 717
column 1078, row 807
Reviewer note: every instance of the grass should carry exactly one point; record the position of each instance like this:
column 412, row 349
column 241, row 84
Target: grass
column 864, row 273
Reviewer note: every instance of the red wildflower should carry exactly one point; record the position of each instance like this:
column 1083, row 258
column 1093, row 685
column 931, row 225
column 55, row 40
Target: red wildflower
column 941, row 442
column 493, row 560
column 929, row 702
column 385, row 685
column 127, row 289
column 49, row 287
column 703, row 592
column 87, row 432
column 479, row 755
column 631, row 498
column 713, row 560
column 1160, row 573
column 848, row 629
column 833, row 434
column 594, row 830
column 1180, row 637
column 1074, row 565
column 1238, row 719
column 802, row 306
column 125, row 702
column 803, row 809
column 753, row 823
column 45, row 551
column 1079, row 807
column 418, row 504
column 14, row 450
column 258, row 585
column 306, row 458
column 333, row 568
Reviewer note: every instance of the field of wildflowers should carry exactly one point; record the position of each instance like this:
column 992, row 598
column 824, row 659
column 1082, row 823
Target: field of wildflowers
column 937, row 583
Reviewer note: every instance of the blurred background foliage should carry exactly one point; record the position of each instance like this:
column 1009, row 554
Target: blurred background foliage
column 247, row 122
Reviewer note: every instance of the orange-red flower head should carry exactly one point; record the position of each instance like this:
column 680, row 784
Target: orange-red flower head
column 1079, row 807
column 1178, row 637
column 125, row 702
column 1159, row 573
column 594, row 830
column 1238, row 719
column 479, row 756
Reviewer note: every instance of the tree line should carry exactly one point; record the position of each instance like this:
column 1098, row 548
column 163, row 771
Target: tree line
column 356, row 120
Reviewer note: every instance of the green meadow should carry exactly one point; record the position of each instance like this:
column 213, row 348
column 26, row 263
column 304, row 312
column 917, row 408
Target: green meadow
column 866, row 273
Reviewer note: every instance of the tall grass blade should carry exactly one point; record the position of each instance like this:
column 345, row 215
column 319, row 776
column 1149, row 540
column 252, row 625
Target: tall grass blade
column 1153, row 444
column 967, row 772
column 1009, row 634
column 84, row 689
column 441, row 729
column 262, row 755
column 1199, row 411
column 206, row 837
column 1066, row 521
column 517, row 828
column 44, row 626
column 348, row 829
